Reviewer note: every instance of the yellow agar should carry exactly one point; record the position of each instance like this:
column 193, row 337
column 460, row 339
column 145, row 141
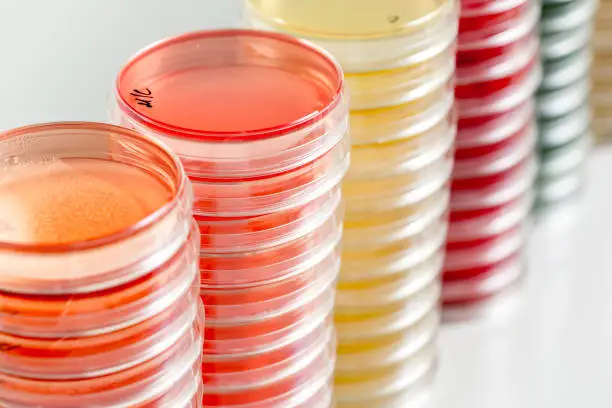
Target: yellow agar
column 376, row 89
column 350, row 18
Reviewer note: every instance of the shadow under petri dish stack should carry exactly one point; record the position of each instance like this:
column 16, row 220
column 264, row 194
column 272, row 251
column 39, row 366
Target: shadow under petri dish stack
column 498, row 72
column 563, row 101
column 260, row 123
column 99, row 302
column 601, row 74
column 399, row 62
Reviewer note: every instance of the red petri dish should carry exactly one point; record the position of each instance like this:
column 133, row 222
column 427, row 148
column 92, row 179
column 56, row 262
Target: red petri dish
column 486, row 16
column 466, row 225
column 490, row 76
column 496, row 157
column 484, row 181
column 298, row 380
column 480, row 284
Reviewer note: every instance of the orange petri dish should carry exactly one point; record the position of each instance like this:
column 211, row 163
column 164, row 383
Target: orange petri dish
column 105, row 214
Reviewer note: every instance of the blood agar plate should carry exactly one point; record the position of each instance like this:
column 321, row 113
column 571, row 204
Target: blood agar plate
column 261, row 124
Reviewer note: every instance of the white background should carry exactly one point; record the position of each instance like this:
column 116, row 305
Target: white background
column 550, row 347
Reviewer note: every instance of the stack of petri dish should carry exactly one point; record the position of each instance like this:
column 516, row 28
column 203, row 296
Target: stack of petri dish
column 261, row 125
column 601, row 97
column 498, row 72
column 563, row 102
column 99, row 302
column 399, row 63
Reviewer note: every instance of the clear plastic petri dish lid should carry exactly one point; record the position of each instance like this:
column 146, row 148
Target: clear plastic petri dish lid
column 563, row 72
column 353, row 361
column 283, row 389
column 379, row 294
column 269, row 299
column 500, row 277
column 479, row 8
column 490, row 75
column 562, row 130
column 187, row 393
column 484, row 32
column 227, row 235
column 356, row 331
column 565, row 159
column 159, row 92
column 380, row 89
column 403, row 155
column 474, row 133
column 115, row 259
column 260, row 196
column 500, row 190
column 250, row 379
column 553, row 190
column 563, row 43
column 70, row 316
column 220, row 353
column 560, row 102
column 565, row 16
column 135, row 386
column 284, row 346
column 245, row 270
column 405, row 121
column 236, row 332
column 397, row 232
column 420, row 238
column 498, row 158
column 384, row 194
column 492, row 222
column 358, row 268
column 67, row 358
column 365, row 38
column 384, row 387
column 503, row 100
column 483, row 252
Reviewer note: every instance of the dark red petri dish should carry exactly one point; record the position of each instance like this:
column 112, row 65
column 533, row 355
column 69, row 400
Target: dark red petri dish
column 498, row 35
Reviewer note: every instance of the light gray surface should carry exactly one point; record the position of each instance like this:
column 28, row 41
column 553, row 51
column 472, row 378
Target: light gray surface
column 58, row 62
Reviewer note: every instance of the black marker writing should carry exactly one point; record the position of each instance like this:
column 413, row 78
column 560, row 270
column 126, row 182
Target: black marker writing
column 143, row 97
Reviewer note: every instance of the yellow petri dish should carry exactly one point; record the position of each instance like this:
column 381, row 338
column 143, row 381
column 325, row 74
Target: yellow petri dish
column 390, row 158
column 383, row 88
column 402, row 121
column 364, row 35
column 385, row 193
column 378, row 388
column 351, row 19
column 404, row 232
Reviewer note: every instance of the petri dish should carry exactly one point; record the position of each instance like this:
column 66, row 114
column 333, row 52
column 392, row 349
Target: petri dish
column 500, row 73
column 378, row 390
column 559, row 102
column 565, row 16
column 562, row 72
column 562, row 130
column 490, row 281
column 467, row 225
column 403, row 121
column 388, row 35
column 495, row 158
column 383, row 88
column 494, row 191
column 563, row 43
column 119, row 296
column 564, row 159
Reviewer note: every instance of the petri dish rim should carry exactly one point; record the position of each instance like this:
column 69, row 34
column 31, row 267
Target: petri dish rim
column 180, row 186
column 170, row 130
